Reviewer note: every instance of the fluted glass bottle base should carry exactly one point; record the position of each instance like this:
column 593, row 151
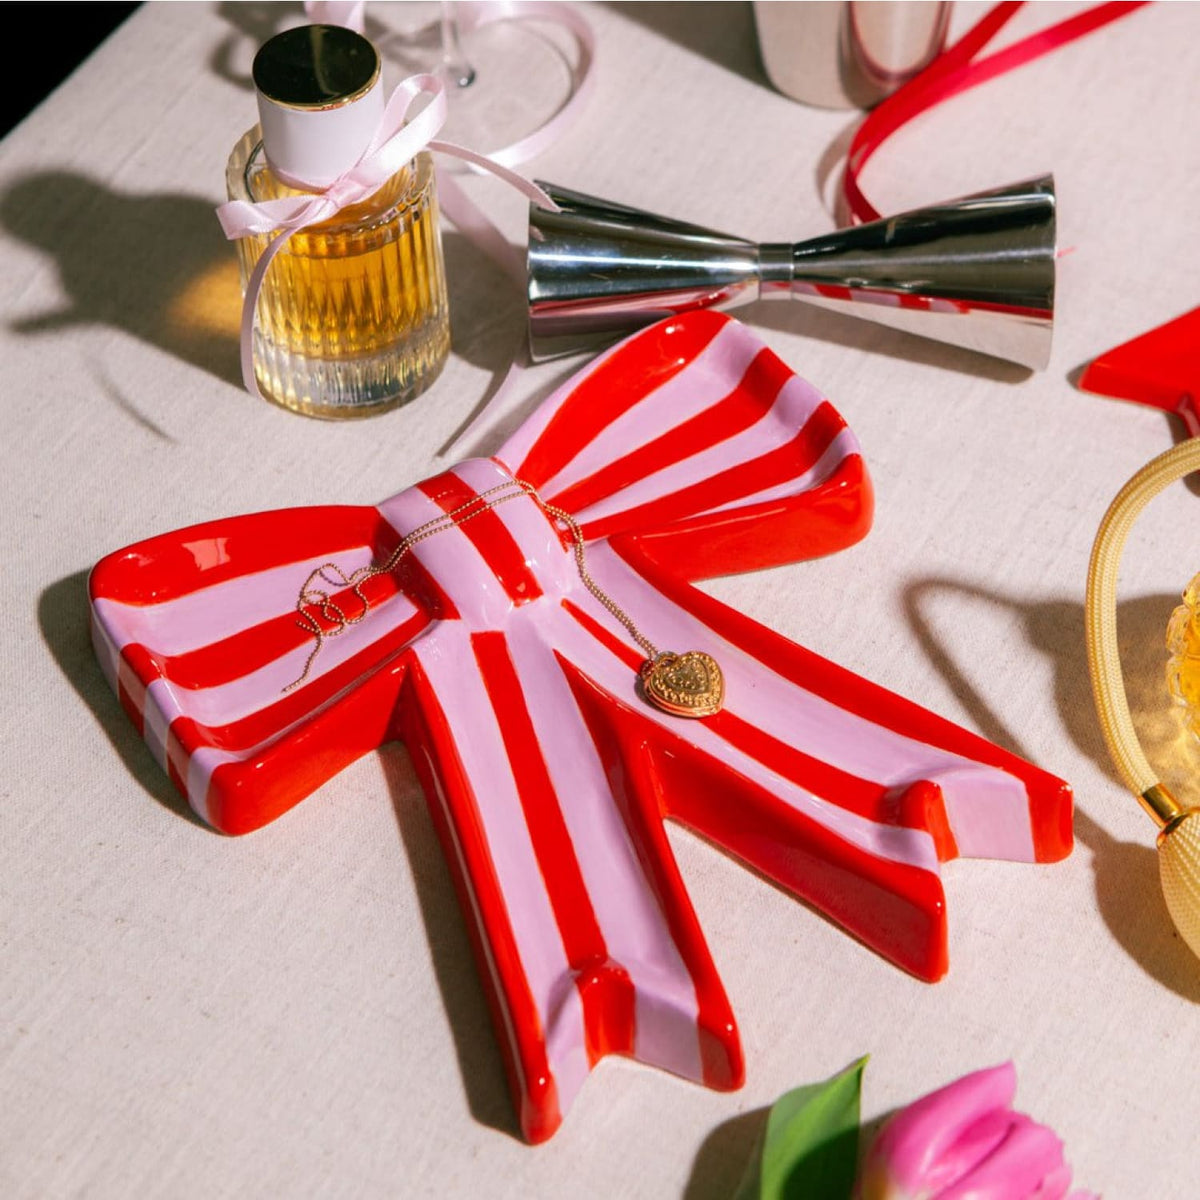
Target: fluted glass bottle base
column 351, row 386
column 352, row 317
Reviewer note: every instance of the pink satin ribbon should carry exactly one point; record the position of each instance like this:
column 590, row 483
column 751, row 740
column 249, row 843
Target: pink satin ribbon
column 956, row 70
column 455, row 204
column 475, row 15
column 397, row 141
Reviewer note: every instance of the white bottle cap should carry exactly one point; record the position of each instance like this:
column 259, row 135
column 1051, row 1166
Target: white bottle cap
column 320, row 101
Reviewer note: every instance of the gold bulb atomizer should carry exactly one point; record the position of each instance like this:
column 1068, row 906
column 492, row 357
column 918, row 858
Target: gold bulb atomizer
column 1179, row 823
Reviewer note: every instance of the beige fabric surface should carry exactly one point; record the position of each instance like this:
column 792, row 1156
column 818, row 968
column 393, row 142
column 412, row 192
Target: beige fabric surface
column 296, row 1013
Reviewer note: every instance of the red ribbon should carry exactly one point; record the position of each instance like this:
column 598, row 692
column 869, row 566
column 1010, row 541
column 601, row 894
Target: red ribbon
column 956, row 70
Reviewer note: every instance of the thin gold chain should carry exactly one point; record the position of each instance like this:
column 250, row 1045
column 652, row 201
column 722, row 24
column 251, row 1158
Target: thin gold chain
column 314, row 597
column 592, row 586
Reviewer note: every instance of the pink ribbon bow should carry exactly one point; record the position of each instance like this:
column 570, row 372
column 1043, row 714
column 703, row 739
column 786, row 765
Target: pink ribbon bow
column 397, row 141
column 688, row 451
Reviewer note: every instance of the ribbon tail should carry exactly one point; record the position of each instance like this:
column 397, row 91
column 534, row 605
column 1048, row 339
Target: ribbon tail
column 250, row 308
column 501, row 404
column 494, row 166
column 586, row 940
column 845, row 794
column 472, row 223
column 956, row 70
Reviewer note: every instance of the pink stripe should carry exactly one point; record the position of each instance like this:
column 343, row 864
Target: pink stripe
column 894, row 843
column 476, row 915
column 450, row 668
column 838, row 450
column 850, row 742
column 106, row 651
column 450, row 557
column 777, row 428
column 159, row 709
column 626, row 908
column 214, row 613
column 713, row 374
column 533, row 532
column 516, row 449
column 230, row 702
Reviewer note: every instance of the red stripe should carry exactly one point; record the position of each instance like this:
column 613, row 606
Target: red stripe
column 245, row 794
column 621, row 736
column 489, row 535
column 919, row 805
column 131, row 684
column 1049, row 798
column 864, row 797
column 610, row 389
column 734, row 413
column 251, row 649
column 744, row 480
column 823, row 517
column 894, row 907
column 604, row 985
column 286, row 709
column 439, row 767
column 629, row 654
column 176, row 564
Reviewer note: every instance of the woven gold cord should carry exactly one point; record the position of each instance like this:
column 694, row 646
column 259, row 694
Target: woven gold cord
column 1104, row 660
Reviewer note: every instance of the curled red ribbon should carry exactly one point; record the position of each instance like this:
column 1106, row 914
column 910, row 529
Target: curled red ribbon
column 956, row 70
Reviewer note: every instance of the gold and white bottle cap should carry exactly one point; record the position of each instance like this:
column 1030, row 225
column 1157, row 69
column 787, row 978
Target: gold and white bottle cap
column 320, row 101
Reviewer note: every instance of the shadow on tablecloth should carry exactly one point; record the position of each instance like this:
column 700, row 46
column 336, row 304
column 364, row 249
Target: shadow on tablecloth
column 479, row 1061
column 63, row 617
column 156, row 266
column 159, row 268
column 1126, row 873
column 724, row 1156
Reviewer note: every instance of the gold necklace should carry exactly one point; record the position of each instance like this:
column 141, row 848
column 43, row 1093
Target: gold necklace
column 685, row 685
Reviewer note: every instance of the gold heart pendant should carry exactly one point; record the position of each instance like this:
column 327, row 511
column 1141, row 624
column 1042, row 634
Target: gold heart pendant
column 685, row 685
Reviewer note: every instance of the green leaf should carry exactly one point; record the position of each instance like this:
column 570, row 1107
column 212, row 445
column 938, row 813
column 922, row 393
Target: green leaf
column 810, row 1151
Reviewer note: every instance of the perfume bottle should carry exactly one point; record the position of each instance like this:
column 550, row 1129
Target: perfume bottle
column 1183, row 641
column 352, row 318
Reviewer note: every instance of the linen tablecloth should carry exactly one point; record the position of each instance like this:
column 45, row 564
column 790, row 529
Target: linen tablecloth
column 296, row 1013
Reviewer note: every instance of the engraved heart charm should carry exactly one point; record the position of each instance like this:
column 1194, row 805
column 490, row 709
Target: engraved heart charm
column 686, row 685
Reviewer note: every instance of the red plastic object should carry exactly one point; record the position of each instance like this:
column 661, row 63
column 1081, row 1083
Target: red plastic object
column 1160, row 368
column 688, row 451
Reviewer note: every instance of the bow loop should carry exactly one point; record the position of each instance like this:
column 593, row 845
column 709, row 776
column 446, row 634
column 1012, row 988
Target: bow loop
column 342, row 193
column 694, row 433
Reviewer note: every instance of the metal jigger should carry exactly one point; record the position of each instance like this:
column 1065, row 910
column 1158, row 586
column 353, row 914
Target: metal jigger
column 976, row 272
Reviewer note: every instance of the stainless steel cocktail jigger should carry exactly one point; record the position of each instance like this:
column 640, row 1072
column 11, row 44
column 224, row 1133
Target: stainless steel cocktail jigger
column 976, row 272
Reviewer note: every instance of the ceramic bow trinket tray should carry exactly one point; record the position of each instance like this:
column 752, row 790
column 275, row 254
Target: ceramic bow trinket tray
column 518, row 621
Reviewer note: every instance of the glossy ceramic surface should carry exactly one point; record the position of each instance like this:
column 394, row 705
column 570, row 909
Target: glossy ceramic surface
column 688, row 451
column 1160, row 368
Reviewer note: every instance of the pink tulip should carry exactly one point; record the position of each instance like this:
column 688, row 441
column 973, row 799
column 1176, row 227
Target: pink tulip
column 964, row 1142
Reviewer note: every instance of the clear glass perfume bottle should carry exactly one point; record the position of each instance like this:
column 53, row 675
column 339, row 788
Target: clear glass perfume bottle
column 352, row 318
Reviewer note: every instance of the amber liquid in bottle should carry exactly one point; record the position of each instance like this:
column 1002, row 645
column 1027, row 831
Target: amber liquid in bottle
column 352, row 318
column 1183, row 641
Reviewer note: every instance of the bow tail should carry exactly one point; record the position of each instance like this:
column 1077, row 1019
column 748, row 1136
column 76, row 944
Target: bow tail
column 844, row 793
column 584, row 937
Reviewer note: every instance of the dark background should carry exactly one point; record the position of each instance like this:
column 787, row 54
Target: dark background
column 75, row 30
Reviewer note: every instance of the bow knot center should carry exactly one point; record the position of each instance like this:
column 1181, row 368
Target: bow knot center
column 341, row 194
